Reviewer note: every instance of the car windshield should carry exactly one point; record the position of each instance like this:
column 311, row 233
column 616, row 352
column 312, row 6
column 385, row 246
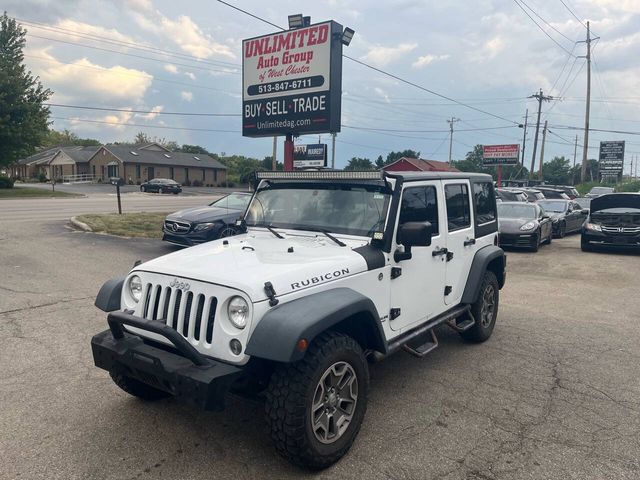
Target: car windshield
column 234, row 201
column 349, row 209
column 516, row 211
column 551, row 206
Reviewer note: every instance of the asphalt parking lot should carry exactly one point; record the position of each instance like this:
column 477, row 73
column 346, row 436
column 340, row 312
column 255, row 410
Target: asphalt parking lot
column 554, row 394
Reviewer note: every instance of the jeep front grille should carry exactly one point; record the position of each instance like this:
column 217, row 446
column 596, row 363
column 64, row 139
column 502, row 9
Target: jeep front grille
column 191, row 313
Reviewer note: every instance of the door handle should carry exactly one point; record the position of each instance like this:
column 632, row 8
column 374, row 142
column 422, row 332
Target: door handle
column 471, row 241
column 441, row 251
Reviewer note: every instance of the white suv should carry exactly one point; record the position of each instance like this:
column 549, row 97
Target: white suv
column 331, row 269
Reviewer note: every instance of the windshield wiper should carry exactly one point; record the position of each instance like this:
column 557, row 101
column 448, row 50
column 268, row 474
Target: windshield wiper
column 342, row 244
column 270, row 228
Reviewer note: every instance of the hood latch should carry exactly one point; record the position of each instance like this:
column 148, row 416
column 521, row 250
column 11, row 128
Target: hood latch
column 271, row 294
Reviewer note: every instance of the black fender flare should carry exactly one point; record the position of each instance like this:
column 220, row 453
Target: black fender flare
column 276, row 335
column 108, row 299
column 479, row 266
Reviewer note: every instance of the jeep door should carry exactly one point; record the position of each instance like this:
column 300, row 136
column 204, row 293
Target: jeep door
column 460, row 238
column 418, row 291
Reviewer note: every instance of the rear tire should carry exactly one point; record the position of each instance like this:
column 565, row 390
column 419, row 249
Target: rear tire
column 548, row 242
column 562, row 230
column 137, row 388
column 484, row 310
column 314, row 407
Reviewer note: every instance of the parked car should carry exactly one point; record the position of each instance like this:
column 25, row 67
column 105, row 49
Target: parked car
column 197, row 225
column 510, row 195
column 555, row 193
column 533, row 194
column 566, row 215
column 597, row 191
column 161, row 185
column 572, row 192
column 523, row 225
column 614, row 220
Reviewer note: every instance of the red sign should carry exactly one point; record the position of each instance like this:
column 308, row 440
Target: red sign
column 500, row 154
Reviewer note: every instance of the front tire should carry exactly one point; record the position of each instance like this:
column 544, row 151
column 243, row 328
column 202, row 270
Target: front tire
column 484, row 310
column 143, row 188
column 585, row 246
column 137, row 388
column 562, row 230
column 227, row 231
column 315, row 407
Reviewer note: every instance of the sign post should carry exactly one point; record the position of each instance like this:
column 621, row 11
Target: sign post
column 611, row 160
column 499, row 155
column 292, row 83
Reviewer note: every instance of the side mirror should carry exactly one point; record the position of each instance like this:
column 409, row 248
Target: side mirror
column 413, row 234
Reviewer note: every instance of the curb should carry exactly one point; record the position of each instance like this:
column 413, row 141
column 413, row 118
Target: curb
column 78, row 225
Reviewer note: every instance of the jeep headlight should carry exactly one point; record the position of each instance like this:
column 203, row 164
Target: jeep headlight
column 528, row 226
column 593, row 226
column 135, row 287
column 238, row 311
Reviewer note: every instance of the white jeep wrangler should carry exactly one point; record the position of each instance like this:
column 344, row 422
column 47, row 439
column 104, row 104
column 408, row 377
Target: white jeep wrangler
column 328, row 270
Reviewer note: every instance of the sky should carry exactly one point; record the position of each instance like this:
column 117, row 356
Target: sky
column 163, row 56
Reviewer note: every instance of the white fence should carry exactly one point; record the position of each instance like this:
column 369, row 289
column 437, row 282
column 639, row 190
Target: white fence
column 80, row 178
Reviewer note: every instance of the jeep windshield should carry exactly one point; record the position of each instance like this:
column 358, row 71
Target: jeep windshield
column 358, row 210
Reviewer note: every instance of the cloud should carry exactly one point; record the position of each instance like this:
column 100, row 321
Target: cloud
column 188, row 96
column 380, row 92
column 82, row 79
column 381, row 56
column 154, row 113
column 75, row 28
column 171, row 68
column 190, row 75
column 425, row 60
column 113, row 121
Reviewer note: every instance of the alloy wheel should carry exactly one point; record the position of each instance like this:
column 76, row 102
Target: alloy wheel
column 488, row 306
column 334, row 402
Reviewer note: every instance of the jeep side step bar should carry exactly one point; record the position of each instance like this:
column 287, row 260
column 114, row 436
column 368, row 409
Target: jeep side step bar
column 408, row 340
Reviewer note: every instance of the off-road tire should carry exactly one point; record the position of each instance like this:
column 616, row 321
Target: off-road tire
column 481, row 331
column 290, row 395
column 137, row 388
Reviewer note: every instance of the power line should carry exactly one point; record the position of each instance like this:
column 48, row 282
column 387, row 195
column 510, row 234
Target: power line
column 621, row 132
column 572, row 13
column 124, row 110
column 125, row 124
column 391, row 75
column 425, row 131
column 541, row 29
column 547, row 23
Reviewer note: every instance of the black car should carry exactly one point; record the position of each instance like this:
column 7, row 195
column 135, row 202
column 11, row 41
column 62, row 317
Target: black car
column 510, row 195
column 533, row 194
column 161, row 185
column 566, row 215
column 523, row 225
column 614, row 220
column 572, row 192
column 193, row 226
column 553, row 193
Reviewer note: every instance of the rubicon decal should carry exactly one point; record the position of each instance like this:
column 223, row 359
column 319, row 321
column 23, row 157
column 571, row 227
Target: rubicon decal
column 320, row 279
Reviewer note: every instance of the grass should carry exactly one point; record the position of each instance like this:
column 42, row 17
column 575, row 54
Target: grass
column 142, row 224
column 30, row 192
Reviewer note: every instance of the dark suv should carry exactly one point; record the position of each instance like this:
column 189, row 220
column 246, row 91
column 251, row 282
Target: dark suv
column 614, row 220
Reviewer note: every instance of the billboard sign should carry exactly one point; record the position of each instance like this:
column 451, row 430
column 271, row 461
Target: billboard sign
column 493, row 155
column 314, row 155
column 292, row 81
column 611, row 158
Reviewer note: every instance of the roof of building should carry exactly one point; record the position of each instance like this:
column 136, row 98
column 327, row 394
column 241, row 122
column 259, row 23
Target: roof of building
column 426, row 165
column 79, row 154
column 133, row 154
column 40, row 157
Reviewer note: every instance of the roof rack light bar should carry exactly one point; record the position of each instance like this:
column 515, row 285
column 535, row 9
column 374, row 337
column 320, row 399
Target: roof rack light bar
column 319, row 175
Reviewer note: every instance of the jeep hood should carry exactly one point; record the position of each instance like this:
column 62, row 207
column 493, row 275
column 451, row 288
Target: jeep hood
column 615, row 200
column 245, row 262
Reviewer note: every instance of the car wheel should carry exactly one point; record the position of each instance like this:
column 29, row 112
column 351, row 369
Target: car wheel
column 548, row 242
column 484, row 310
column 562, row 230
column 161, row 190
column 137, row 388
column 536, row 243
column 143, row 188
column 314, row 407
column 227, row 231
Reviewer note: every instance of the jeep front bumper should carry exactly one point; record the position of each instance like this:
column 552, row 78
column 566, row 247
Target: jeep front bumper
column 181, row 371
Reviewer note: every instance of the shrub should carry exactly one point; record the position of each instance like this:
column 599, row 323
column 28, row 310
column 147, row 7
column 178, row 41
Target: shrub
column 186, row 183
column 42, row 177
column 632, row 186
column 196, row 183
column 5, row 182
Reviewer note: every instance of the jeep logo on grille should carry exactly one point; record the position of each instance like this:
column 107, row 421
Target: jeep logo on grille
column 180, row 285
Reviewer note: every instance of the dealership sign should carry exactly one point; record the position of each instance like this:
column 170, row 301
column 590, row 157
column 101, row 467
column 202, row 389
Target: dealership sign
column 611, row 157
column 305, row 156
column 500, row 154
column 292, row 81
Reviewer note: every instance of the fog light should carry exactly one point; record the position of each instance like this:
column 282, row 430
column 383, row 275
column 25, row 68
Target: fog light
column 235, row 346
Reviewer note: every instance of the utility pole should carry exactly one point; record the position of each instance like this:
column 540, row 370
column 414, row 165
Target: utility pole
column 451, row 122
column 540, row 97
column 333, row 150
column 544, row 138
column 524, row 136
column 575, row 153
column 585, row 151
column 274, row 163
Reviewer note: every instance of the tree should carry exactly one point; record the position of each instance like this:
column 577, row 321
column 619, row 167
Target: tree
column 267, row 163
column 393, row 156
column 23, row 117
column 557, row 171
column 67, row 138
column 380, row 162
column 357, row 163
